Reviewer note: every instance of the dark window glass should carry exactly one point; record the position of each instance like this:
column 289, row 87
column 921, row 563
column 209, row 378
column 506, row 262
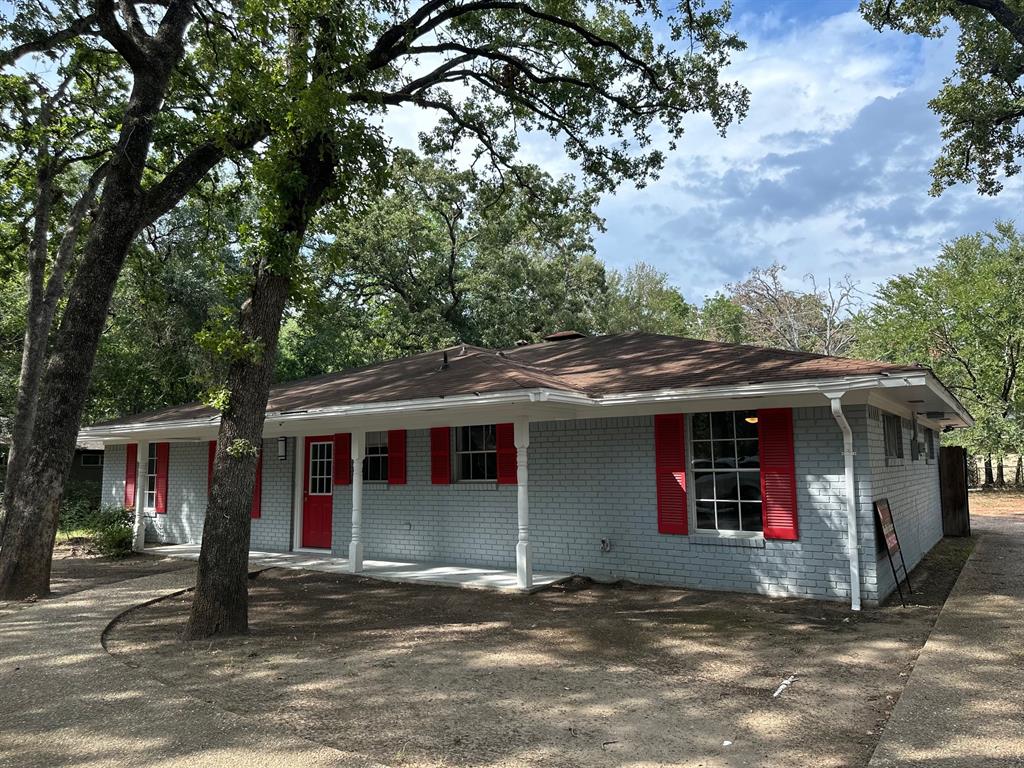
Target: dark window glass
column 726, row 464
column 476, row 452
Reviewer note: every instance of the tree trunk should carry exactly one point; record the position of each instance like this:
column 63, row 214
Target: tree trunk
column 1018, row 474
column 1000, row 476
column 989, row 479
column 220, row 605
column 34, row 499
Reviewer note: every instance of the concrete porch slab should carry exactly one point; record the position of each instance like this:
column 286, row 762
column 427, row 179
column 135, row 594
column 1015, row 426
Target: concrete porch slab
column 465, row 576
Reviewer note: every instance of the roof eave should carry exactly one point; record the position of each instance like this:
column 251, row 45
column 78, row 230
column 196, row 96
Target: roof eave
column 795, row 387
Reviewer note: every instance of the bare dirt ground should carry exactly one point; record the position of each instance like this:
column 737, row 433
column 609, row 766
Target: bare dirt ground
column 584, row 675
column 996, row 503
column 77, row 566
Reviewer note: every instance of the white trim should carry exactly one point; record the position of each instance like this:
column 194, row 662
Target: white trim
column 580, row 405
column 298, row 478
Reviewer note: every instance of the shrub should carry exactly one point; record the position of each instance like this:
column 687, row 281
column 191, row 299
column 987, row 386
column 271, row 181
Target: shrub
column 115, row 540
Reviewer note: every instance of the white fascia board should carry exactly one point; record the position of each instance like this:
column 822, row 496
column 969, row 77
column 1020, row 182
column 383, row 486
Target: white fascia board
column 582, row 405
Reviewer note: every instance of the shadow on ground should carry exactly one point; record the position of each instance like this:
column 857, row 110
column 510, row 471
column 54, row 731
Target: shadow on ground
column 581, row 676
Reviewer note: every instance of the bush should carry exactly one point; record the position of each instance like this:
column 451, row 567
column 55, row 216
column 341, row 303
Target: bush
column 115, row 540
column 112, row 528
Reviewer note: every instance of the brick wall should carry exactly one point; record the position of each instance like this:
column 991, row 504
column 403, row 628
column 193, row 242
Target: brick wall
column 186, row 495
column 592, row 480
column 912, row 488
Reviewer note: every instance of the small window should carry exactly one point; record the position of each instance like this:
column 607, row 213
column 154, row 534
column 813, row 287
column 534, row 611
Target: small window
column 476, row 452
column 321, row 469
column 915, row 442
column 929, row 444
column 375, row 463
column 151, row 477
column 893, row 431
column 91, row 460
column 726, row 463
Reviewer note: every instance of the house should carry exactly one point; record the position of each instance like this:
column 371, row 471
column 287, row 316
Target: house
column 85, row 477
column 651, row 458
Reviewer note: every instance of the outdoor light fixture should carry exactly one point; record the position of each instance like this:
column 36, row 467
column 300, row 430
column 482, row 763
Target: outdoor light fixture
column 751, row 419
column 282, row 448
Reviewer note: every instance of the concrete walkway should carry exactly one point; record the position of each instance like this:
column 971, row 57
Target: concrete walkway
column 438, row 574
column 65, row 702
column 964, row 704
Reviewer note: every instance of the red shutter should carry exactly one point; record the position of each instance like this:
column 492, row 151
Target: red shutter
column 396, row 457
column 210, row 454
column 508, row 473
column 778, row 473
column 343, row 458
column 131, row 469
column 257, row 489
column 440, row 455
column 163, row 453
column 670, row 472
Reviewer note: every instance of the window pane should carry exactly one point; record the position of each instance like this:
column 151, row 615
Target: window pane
column 750, row 486
column 492, row 466
column 752, row 520
column 721, row 426
column 702, row 426
column 705, row 514
column 748, row 454
column 702, row 454
column 479, row 466
column 725, row 454
column 728, row 516
column 725, row 486
column 464, row 466
column 490, row 438
column 746, row 428
column 704, row 485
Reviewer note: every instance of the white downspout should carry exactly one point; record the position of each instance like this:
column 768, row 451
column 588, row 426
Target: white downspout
column 852, row 544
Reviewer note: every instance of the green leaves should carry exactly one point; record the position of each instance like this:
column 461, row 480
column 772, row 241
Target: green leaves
column 981, row 104
column 964, row 317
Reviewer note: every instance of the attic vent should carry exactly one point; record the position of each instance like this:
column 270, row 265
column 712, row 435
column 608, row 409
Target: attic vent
column 564, row 336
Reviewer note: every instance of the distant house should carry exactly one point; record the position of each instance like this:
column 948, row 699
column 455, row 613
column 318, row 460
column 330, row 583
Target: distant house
column 86, row 475
column 652, row 458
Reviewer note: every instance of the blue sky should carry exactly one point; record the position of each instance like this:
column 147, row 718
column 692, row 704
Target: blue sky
column 829, row 172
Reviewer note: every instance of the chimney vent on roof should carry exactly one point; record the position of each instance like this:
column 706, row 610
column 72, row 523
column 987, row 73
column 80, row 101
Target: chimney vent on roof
column 444, row 361
column 564, row 336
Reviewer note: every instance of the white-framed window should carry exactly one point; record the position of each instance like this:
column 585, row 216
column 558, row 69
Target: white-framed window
column 476, row 453
column 375, row 461
column 151, row 477
column 929, row 444
column 91, row 460
column 892, row 428
column 321, row 468
column 726, row 465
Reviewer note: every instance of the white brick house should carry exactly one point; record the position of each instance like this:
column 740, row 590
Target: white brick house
column 650, row 458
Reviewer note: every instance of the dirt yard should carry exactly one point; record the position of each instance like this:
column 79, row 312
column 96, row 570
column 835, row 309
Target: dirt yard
column 76, row 566
column 584, row 675
column 996, row 503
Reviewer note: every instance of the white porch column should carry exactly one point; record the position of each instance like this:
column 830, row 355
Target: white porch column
column 355, row 547
column 141, row 468
column 524, row 561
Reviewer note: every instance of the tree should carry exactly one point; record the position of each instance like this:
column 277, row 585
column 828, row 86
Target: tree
column 981, row 104
column 642, row 300
column 964, row 316
column 722, row 319
column 594, row 75
column 818, row 320
column 448, row 255
column 139, row 186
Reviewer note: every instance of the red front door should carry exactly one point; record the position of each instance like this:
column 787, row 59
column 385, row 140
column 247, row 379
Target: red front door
column 318, row 492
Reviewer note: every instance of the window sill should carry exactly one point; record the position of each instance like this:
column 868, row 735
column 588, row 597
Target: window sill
column 717, row 539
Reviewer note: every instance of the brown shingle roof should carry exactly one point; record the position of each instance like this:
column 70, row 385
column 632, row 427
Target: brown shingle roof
column 595, row 366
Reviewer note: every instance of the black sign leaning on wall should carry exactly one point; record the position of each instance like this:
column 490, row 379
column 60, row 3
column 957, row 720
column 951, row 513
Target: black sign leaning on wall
column 883, row 515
